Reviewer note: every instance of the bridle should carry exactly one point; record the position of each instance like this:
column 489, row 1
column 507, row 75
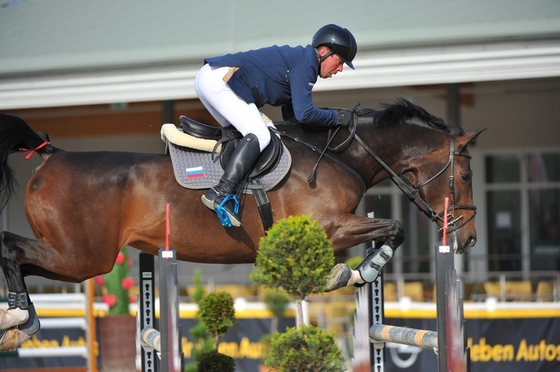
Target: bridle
column 412, row 192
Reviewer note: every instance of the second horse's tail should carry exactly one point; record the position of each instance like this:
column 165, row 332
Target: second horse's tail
column 16, row 135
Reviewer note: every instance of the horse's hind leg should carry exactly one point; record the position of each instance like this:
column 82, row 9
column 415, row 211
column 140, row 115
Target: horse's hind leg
column 21, row 312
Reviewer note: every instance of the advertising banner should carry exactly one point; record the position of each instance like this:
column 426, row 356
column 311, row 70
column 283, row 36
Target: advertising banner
column 496, row 345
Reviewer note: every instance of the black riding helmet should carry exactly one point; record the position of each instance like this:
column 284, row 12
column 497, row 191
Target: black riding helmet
column 339, row 40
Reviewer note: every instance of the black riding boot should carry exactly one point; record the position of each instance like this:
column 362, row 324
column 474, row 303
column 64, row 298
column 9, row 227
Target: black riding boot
column 221, row 197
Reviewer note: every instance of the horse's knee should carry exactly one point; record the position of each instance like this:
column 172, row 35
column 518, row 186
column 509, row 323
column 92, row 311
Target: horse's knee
column 398, row 234
column 393, row 235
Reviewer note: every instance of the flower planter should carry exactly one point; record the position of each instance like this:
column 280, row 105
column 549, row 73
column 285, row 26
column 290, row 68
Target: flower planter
column 117, row 343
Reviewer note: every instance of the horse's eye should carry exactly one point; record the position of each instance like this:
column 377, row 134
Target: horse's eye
column 466, row 177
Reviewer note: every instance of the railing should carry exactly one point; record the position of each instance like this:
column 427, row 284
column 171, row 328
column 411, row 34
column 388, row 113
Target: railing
column 545, row 285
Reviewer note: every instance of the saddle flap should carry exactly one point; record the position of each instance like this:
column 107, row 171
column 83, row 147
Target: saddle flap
column 269, row 157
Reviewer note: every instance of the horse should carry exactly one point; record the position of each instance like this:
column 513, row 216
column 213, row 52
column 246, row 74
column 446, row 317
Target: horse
column 83, row 207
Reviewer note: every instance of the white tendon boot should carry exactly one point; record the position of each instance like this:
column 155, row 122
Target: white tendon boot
column 367, row 271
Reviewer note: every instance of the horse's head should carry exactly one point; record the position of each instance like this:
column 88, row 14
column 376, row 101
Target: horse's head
column 446, row 173
column 428, row 160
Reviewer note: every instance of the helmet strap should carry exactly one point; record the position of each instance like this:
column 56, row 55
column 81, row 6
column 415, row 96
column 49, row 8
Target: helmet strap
column 322, row 58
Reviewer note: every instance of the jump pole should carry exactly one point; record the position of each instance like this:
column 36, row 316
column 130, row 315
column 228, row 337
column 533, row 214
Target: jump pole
column 448, row 341
column 166, row 340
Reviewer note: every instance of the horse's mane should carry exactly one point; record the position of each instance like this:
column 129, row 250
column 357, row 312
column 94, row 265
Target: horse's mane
column 401, row 113
column 404, row 112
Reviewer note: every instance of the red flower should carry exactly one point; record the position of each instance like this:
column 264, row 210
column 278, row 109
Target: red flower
column 127, row 283
column 133, row 299
column 99, row 280
column 120, row 258
column 110, row 299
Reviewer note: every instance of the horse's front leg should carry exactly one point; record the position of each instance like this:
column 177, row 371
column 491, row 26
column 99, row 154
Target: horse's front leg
column 388, row 234
column 20, row 321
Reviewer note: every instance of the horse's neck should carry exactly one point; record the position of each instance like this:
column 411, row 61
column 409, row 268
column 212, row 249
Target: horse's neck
column 399, row 148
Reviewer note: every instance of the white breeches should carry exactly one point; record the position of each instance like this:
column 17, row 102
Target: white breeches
column 227, row 107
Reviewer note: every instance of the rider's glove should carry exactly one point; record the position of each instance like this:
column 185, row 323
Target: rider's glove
column 345, row 118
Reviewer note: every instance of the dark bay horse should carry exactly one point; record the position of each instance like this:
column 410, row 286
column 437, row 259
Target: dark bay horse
column 83, row 207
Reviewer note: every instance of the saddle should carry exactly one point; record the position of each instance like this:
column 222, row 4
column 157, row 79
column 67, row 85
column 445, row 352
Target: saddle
column 193, row 149
column 229, row 138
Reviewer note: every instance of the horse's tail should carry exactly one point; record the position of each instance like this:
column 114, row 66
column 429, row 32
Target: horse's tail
column 16, row 135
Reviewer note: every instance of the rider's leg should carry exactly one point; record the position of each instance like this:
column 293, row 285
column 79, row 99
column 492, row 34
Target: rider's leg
column 239, row 164
column 228, row 109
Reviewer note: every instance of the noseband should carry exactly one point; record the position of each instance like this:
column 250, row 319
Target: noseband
column 412, row 193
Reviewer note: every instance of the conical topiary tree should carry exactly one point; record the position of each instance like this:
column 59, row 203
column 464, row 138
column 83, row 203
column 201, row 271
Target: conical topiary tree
column 217, row 312
column 199, row 333
column 277, row 303
column 295, row 255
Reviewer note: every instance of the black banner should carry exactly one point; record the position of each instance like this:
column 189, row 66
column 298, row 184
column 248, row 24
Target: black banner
column 496, row 345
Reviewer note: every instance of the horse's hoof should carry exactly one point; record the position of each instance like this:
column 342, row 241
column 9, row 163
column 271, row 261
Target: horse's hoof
column 339, row 277
column 12, row 339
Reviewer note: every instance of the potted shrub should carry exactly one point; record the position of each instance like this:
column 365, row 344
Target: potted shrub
column 296, row 255
column 217, row 312
column 117, row 329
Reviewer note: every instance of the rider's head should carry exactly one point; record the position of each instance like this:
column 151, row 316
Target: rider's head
column 339, row 41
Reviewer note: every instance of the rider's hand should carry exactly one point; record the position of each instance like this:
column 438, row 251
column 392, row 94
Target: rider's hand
column 345, row 118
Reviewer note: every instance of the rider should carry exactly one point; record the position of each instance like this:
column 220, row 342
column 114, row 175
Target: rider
column 233, row 87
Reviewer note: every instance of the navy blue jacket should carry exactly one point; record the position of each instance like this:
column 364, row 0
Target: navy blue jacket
column 278, row 76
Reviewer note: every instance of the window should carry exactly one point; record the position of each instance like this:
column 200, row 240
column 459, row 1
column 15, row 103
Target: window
column 523, row 211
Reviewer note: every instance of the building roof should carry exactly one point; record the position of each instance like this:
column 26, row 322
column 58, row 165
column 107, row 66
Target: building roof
column 67, row 52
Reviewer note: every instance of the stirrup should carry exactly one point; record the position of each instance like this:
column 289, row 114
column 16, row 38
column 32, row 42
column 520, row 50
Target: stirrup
column 223, row 214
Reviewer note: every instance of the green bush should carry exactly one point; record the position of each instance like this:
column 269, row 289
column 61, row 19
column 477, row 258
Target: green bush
column 354, row 261
column 309, row 349
column 212, row 361
column 217, row 312
column 296, row 255
column 277, row 303
column 198, row 332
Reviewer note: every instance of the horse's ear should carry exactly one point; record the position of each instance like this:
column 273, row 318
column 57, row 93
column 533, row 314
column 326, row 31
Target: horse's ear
column 469, row 138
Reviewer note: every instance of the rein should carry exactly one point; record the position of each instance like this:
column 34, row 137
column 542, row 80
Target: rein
column 412, row 193
column 323, row 152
